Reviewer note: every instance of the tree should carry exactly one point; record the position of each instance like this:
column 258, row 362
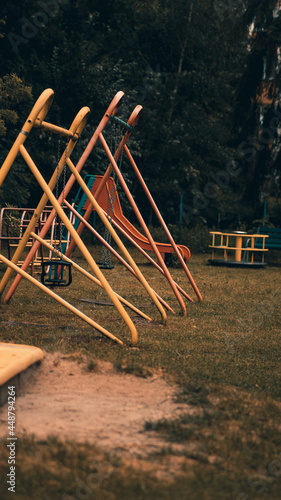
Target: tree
column 13, row 92
column 181, row 61
column 258, row 105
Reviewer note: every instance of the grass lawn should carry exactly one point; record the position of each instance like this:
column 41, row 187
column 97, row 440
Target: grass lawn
column 224, row 355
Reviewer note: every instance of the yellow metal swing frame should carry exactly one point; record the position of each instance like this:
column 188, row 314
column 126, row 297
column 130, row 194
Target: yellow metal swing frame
column 36, row 119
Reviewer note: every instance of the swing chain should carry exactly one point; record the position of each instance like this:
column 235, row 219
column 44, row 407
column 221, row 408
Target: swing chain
column 63, row 193
column 57, row 194
column 105, row 256
column 53, row 269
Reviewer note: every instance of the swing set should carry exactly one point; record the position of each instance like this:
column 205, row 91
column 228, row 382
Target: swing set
column 57, row 270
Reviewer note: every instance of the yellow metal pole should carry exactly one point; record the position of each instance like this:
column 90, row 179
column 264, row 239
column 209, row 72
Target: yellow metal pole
column 79, row 243
column 238, row 245
column 112, row 109
column 63, row 302
column 117, row 240
column 35, row 218
column 88, row 275
column 76, row 129
column 40, row 108
column 55, row 129
column 114, row 252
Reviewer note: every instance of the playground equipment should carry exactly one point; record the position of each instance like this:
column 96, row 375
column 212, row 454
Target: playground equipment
column 136, row 238
column 99, row 195
column 14, row 221
column 15, row 359
column 36, row 119
column 182, row 252
column 232, row 243
column 110, row 192
column 105, row 186
column 109, row 115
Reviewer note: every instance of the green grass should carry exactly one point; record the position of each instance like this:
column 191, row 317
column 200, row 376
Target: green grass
column 225, row 356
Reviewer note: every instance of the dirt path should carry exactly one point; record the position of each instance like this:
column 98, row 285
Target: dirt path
column 103, row 407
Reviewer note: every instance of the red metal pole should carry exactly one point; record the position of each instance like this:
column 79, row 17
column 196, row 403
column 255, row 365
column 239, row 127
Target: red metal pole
column 162, row 222
column 132, row 121
column 142, row 223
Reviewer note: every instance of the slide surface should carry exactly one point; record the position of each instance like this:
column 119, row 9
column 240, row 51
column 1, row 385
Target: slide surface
column 126, row 225
column 15, row 358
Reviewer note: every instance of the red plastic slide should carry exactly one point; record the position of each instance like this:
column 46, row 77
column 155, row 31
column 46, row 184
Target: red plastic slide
column 127, row 226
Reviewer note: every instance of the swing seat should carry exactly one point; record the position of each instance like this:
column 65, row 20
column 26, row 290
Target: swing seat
column 55, row 275
column 102, row 265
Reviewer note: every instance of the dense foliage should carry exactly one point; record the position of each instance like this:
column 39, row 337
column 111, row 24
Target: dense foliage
column 183, row 61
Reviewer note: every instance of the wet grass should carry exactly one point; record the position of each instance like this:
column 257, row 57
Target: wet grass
column 225, row 356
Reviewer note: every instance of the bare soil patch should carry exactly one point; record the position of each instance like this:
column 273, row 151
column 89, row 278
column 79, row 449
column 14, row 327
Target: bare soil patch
column 103, row 407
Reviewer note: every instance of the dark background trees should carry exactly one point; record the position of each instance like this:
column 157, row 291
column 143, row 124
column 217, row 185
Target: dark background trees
column 190, row 65
column 257, row 108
